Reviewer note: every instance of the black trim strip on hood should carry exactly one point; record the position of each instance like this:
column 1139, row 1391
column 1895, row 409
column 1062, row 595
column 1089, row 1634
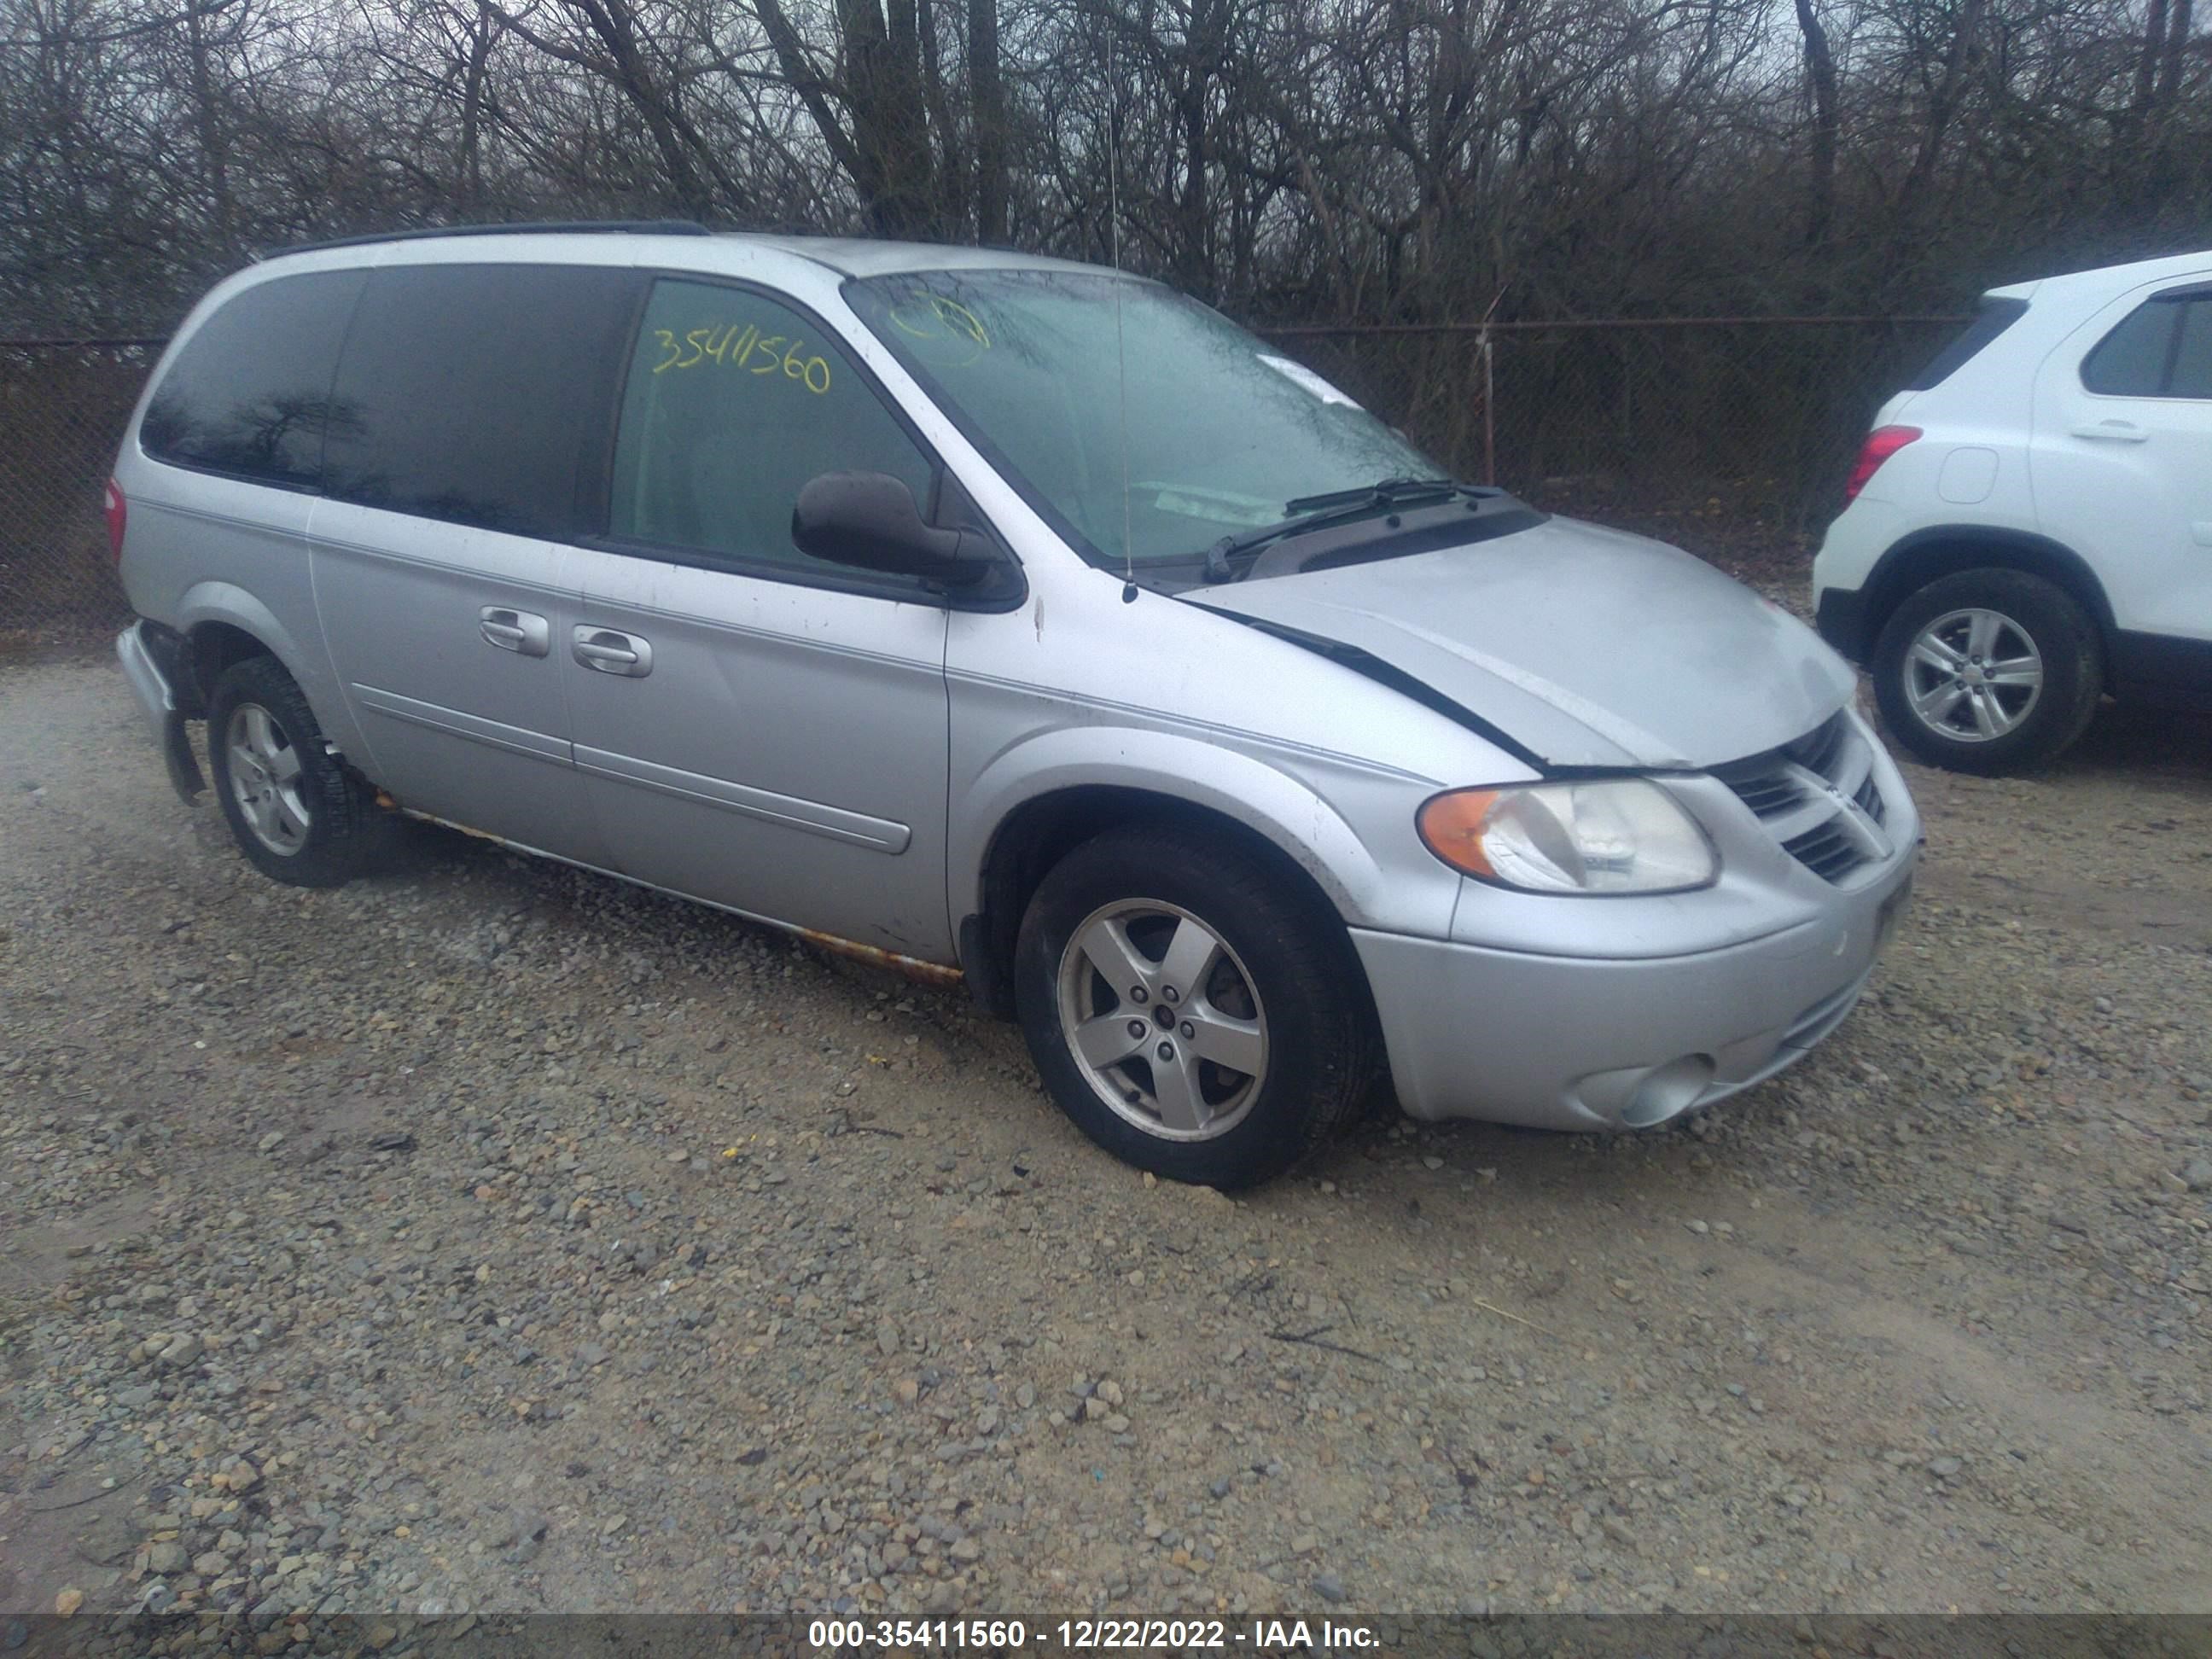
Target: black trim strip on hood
column 1373, row 667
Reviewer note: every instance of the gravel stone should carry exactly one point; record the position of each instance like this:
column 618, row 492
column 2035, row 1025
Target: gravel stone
column 765, row 1307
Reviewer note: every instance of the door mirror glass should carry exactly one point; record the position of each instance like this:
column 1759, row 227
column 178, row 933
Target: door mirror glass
column 870, row 521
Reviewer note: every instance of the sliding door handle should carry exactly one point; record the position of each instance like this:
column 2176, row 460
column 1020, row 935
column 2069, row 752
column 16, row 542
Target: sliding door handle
column 515, row 631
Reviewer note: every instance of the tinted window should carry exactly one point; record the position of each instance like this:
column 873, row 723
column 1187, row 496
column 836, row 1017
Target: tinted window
column 2132, row 361
column 1994, row 318
column 250, row 392
column 470, row 393
column 2191, row 374
column 733, row 403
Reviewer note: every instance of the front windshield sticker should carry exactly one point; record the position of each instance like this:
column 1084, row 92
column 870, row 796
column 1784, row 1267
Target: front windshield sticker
column 1299, row 375
column 936, row 318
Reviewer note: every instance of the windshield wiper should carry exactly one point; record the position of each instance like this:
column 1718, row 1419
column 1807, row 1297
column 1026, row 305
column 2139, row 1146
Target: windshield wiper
column 1309, row 512
column 1389, row 492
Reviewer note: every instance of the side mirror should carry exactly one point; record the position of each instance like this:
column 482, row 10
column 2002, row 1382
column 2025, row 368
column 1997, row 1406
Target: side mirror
column 869, row 520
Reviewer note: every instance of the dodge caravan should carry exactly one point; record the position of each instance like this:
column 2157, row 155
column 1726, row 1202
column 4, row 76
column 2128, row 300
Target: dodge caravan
column 1009, row 621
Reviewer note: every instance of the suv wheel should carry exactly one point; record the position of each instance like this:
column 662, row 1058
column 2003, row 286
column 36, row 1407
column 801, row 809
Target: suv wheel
column 1988, row 671
column 1189, row 1015
column 297, row 813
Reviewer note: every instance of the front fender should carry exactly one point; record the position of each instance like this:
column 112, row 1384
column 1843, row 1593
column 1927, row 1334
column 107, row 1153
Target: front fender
column 1265, row 795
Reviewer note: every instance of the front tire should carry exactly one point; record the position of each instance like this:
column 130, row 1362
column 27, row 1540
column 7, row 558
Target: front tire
column 1192, row 1014
column 299, row 815
column 1988, row 671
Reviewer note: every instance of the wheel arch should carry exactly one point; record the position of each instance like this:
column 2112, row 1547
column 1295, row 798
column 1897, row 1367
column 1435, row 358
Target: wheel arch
column 1929, row 554
column 1039, row 831
column 223, row 624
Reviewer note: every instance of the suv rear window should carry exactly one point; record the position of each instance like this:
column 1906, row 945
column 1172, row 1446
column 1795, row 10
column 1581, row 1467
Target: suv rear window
column 469, row 392
column 249, row 393
column 1993, row 319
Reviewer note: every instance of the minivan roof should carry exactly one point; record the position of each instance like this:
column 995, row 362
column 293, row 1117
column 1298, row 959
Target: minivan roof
column 848, row 256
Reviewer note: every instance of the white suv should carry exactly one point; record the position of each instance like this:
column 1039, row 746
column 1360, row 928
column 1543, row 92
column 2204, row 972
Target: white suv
column 2029, row 525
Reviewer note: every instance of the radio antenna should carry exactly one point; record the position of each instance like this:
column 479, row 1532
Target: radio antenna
column 1121, row 351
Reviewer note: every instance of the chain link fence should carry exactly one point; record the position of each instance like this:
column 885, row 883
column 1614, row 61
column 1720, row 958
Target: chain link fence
column 1732, row 435
column 1729, row 435
column 63, row 404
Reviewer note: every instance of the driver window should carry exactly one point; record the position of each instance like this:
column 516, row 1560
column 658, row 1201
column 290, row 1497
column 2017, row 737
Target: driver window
column 733, row 403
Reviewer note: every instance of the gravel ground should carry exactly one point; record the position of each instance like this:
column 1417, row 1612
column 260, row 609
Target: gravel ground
column 490, row 1235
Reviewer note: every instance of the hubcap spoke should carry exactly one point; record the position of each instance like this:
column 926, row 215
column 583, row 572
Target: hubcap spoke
column 260, row 735
column 284, row 764
column 2024, row 671
column 1190, row 957
column 1105, row 942
column 1106, row 1040
column 1935, row 653
column 1982, row 632
column 1175, row 1085
column 1234, row 1044
column 286, row 821
column 1934, row 705
column 1989, row 719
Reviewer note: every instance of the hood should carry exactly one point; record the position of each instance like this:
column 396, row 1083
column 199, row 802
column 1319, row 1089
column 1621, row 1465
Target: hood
column 1588, row 646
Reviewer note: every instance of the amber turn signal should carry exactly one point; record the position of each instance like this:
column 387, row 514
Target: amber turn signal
column 1451, row 827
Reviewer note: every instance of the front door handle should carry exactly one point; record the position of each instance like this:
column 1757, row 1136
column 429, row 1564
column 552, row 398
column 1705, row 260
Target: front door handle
column 515, row 631
column 607, row 652
column 2113, row 432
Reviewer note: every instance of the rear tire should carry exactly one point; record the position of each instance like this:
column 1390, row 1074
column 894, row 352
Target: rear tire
column 299, row 814
column 1989, row 672
column 1194, row 1015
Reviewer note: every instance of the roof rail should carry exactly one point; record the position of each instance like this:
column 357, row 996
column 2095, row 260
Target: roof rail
column 632, row 227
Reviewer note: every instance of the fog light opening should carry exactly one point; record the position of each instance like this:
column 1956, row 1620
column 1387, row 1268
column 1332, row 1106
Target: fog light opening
column 1667, row 1090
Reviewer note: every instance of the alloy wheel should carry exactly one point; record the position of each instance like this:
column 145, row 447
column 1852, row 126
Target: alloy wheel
column 1973, row 675
column 264, row 779
column 1163, row 1020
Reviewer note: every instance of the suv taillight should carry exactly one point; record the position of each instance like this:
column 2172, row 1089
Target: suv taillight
column 114, row 512
column 1880, row 444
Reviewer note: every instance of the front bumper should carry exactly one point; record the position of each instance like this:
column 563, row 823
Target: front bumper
column 1570, row 1042
column 157, row 698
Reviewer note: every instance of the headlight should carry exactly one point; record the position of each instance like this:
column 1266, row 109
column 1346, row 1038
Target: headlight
column 1608, row 835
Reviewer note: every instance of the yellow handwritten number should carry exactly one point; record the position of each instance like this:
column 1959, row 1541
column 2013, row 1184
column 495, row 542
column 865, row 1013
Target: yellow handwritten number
column 723, row 343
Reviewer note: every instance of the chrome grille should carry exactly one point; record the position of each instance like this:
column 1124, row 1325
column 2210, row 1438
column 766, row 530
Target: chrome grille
column 1819, row 797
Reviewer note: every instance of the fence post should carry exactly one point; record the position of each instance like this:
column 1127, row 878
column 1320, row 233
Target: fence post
column 1489, row 411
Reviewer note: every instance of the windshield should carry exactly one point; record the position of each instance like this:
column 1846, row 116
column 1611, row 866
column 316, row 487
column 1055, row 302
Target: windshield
column 1215, row 432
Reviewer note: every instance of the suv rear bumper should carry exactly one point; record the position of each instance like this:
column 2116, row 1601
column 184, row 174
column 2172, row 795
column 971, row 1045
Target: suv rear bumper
column 1567, row 1042
column 155, row 685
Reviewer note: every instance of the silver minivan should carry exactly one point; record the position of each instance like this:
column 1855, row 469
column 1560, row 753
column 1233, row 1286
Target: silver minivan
column 1009, row 621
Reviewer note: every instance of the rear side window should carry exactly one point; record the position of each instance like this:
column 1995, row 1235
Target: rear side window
column 471, row 393
column 2162, row 348
column 2191, row 374
column 249, row 393
column 1993, row 319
